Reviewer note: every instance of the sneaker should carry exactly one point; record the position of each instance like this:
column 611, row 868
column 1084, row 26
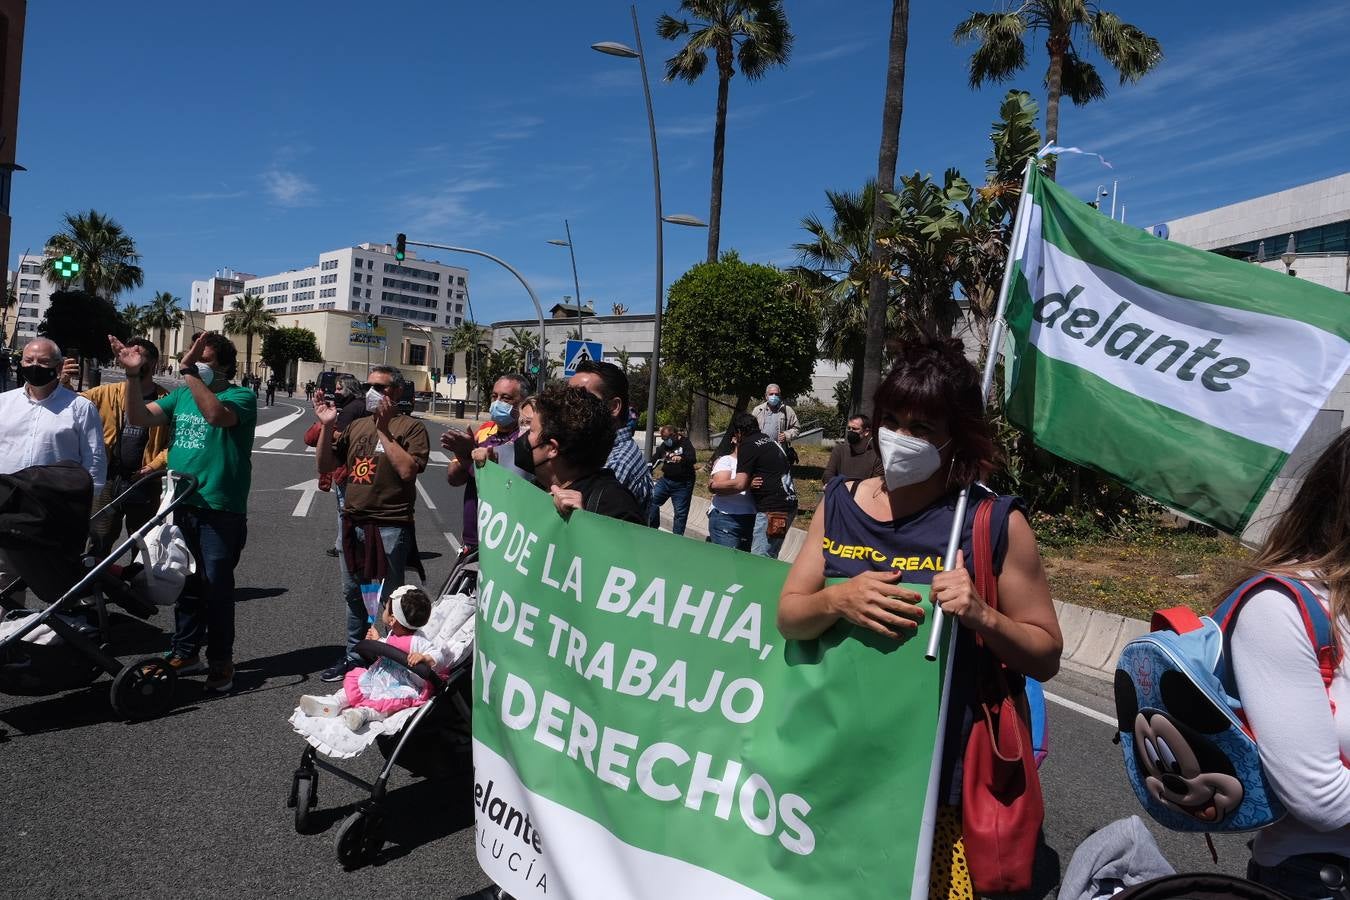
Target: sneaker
column 336, row 673
column 220, row 676
column 320, row 707
column 357, row 716
column 185, row 665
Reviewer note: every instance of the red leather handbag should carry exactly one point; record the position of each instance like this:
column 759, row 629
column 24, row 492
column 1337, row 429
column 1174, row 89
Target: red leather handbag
column 1002, row 809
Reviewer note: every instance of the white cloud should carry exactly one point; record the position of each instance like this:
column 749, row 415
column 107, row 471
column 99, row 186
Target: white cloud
column 288, row 188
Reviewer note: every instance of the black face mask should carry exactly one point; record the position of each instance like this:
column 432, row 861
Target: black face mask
column 853, row 437
column 38, row 376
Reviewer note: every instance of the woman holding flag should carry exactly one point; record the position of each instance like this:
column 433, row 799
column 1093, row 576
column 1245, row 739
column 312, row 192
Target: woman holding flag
column 888, row 531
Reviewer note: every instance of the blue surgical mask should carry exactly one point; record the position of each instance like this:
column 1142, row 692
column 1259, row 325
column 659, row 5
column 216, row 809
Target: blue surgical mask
column 503, row 413
column 206, row 374
column 774, row 400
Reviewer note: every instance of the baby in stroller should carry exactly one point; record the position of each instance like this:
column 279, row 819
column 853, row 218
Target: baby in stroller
column 377, row 692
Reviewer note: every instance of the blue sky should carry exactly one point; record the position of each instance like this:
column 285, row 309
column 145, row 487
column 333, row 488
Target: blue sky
column 255, row 135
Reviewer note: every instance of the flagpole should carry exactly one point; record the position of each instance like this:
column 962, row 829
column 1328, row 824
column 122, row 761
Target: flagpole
column 928, row 822
column 1015, row 241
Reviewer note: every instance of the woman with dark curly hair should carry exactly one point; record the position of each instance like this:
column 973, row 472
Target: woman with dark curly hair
column 569, row 440
column 891, row 529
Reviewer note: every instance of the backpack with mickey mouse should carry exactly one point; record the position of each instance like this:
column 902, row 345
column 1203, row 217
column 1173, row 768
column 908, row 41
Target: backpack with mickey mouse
column 1189, row 753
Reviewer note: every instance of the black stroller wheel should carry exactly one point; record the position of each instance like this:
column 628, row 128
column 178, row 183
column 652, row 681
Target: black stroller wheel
column 143, row 689
column 351, row 840
column 304, row 797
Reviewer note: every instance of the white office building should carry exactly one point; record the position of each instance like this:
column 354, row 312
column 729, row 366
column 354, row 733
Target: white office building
column 34, row 292
column 364, row 279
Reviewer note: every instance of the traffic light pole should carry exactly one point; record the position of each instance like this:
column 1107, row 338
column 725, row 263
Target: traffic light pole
column 538, row 308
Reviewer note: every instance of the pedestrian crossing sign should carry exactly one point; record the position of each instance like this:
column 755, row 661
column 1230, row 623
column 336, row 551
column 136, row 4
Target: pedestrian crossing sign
column 579, row 352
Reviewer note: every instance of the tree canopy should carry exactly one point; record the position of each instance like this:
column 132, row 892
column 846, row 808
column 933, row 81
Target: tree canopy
column 281, row 345
column 733, row 327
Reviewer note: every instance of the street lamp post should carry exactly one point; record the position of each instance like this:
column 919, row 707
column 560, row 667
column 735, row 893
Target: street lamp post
column 1289, row 257
column 576, row 283
column 510, row 268
column 615, row 49
column 431, row 340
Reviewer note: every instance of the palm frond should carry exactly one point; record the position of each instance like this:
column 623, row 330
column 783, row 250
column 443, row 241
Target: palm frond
column 1129, row 50
column 1080, row 81
column 1002, row 50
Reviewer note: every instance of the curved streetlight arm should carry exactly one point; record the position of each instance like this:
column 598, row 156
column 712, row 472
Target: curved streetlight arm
column 538, row 308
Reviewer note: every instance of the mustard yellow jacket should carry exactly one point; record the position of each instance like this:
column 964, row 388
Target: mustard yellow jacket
column 110, row 401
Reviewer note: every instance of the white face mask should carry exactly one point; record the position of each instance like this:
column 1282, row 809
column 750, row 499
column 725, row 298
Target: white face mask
column 905, row 459
column 373, row 398
column 205, row 373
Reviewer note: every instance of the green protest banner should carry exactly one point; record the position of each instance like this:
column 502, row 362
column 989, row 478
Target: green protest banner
column 641, row 730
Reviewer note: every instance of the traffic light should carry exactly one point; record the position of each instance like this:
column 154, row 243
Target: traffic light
column 372, row 322
column 400, row 247
column 532, row 362
column 67, row 267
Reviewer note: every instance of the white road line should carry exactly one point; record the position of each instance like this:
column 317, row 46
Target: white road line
column 438, row 456
column 454, row 543
column 277, row 444
column 426, row 498
column 276, row 425
column 1081, row 709
column 309, row 450
column 307, row 491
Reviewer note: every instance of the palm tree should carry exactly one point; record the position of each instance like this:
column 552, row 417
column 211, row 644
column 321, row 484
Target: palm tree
column 751, row 34
column 249, row 316
column 892, row 110
column 1002, row 50
column 133, row 316
column 162, row 314
column 109, row 263
column 837, row 264
column 618, row 309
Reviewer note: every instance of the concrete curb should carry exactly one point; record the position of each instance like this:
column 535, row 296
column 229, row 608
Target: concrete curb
column 1093, row 639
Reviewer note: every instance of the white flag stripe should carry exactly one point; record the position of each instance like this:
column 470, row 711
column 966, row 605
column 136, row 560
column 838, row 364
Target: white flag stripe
column 613, row 868
column 1272, row 404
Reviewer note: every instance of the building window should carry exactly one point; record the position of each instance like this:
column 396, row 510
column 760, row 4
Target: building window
column 417, row 355
column 459, row 307
column 278, row 286
column 328, row 264
column 30, row 268
column 303, row 283
column 460, row 281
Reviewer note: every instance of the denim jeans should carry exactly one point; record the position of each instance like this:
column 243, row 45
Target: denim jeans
column 763, row 545
column 680, row 494
column 340, row 494
column 204, row 614
column 397, row 540
column 1298, row 876
column 727, row 530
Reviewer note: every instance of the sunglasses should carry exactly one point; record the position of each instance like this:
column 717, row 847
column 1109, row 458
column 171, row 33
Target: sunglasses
column 379, row 388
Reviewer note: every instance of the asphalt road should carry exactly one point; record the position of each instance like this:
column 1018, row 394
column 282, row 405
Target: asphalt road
column 193, row 804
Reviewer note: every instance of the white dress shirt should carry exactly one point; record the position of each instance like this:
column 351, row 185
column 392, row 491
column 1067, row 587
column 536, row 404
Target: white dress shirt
column 65, row 427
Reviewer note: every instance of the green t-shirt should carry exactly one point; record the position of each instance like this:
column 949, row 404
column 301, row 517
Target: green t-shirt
column 220, row 458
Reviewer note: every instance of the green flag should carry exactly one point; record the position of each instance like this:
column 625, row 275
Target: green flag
column 1187, row 375
column 641, row 730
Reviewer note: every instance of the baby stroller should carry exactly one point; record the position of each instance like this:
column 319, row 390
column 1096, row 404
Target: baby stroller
column 44, row 525
column 429, row 741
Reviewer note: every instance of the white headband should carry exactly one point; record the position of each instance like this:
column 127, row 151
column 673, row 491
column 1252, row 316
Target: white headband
column 396, row 605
